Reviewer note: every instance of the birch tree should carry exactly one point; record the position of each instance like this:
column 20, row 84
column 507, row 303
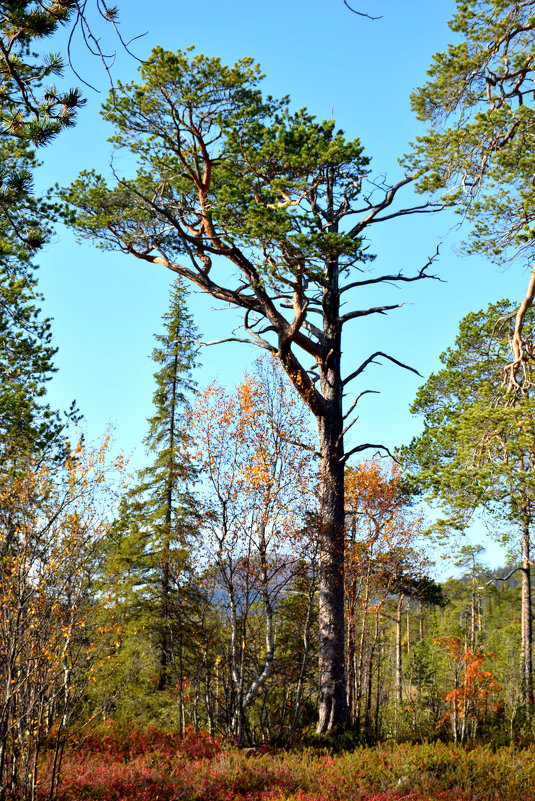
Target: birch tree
column 259, row 483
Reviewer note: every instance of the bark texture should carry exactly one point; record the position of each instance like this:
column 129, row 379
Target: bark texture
column 333, row 711
column 527, row 629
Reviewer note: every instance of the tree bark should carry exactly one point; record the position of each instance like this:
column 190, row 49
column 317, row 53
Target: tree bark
column 527, row 632
column 333, row 711
column 399, row 675
column 360, row 667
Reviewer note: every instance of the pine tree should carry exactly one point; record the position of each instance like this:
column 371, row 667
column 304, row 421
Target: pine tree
column 27, row 424
column 478, row 103
column 477, row 450
column 228, row 176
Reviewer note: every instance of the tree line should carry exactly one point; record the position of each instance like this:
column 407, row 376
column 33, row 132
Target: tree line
column 251, row 581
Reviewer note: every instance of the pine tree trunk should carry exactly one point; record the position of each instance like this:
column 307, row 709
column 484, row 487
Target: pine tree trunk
column 527, row 633
column 333, row 712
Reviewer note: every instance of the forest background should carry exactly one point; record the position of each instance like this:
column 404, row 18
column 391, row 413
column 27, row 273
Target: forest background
column 106, row 307
column 418, row 656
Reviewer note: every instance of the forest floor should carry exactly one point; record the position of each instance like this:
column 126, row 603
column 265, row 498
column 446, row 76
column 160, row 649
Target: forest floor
column 156, row 767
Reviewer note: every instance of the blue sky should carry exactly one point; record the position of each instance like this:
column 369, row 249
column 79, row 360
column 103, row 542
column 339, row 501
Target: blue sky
column 106, row 307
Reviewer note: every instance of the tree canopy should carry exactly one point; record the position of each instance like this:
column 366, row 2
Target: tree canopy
column 479, row 103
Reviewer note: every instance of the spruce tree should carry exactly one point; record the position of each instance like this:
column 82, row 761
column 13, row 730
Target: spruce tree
column 153, row 535
column 27, row 424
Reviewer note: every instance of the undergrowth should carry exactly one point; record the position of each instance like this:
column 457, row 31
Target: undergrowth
column 128, row 765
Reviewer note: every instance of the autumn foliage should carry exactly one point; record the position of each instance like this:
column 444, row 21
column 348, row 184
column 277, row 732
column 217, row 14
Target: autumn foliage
column 475, row 687
column 170, row 772
column 259, row 484
column 53, row 630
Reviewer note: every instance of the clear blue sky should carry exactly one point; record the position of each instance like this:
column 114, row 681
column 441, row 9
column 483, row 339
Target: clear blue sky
column 106, row 307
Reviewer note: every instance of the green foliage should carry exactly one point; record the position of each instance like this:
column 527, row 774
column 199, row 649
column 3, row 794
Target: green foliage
column 479, row 103
column 192, row 122
column 150, row 545
column 27, row 424
column 475, row 448
column 32, row 112
column 31, row 109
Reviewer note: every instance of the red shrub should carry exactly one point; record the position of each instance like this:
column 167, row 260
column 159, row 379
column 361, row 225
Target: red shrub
column 128, row 743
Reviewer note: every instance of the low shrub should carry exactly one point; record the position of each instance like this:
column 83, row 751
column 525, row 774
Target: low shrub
column 152, row 765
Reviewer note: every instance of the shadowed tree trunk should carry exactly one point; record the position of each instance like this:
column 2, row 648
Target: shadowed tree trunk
column 333, row 711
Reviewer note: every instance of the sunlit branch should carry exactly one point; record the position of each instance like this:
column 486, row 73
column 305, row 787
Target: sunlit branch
column 365, row 312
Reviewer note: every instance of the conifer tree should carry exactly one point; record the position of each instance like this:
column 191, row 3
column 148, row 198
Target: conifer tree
column 154, row 531
column 228, row 176
column 477, row 450
column 478, row 102
column 32, row 112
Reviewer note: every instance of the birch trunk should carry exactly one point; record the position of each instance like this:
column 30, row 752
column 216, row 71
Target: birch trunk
column 399, row 675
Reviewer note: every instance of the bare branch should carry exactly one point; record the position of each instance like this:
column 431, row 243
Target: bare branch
column 299, row 444
column 427, row 208
column 365, row 392
column 364, row 312
column 387, row 201
column 399, row 277
column 360, row 13
column 365, row 447
column 92, row 42
column 504, row 578
column 346, row 429
column 257, row 342
column 371, row 359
